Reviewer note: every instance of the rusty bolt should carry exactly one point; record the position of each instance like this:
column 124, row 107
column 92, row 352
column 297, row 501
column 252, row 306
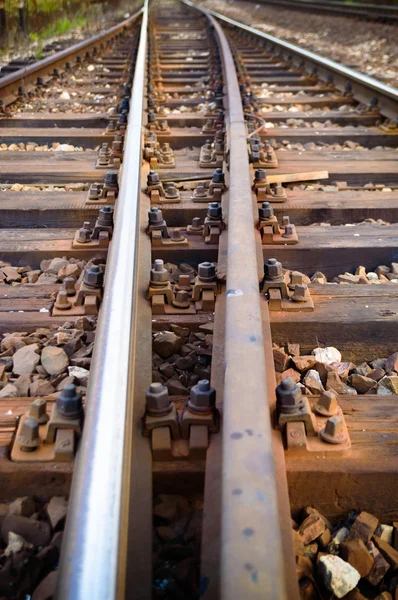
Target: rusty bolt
column 157, row 400
column 111, row 126
column 273, row 270
column 259, row 175
column 296, row 278
column 62, row 302
column 151, row 117
column 93, row 276
column 176, row 235
column 214, row 210
column 105, row 217
column 151, row 102
column 218, row 176
column 94, row 191
column 334, row 431
column 288, row 396
column 155, row 216
column 69, row 285
column 184, row 283
column 166, row 149
column 285, row 221
column 196, row 226
column 153, row 178
column 279, row 191
column 84, row 235
column 159, row 274
column 300, row 293
column 38, row 411
column 69, row 402
column 265, row 211
column 111, row 179
column 200, row 190
column 28, row 437
column 181, row 299
column 206, row 271
column 171, row 190
column 202, row 397
column 327, row 404
column 290, row 231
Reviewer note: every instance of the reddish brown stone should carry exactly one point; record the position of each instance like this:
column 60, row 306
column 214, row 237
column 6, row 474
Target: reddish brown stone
column 388, row 552
column 380, row 565
column 281, row 360
column 363, row 527
column 356, row 553
column 293, row 349
column 292, row 374
column 303, row 363
column 391, row 363
column 311, row 528
column 24, row 507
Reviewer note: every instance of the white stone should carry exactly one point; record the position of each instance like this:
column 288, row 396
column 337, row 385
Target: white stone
column 372, row 276
column 65, row 95
column 80, row 373
column 65, row 148
column 385, row 532
column 327, row 355
column 339, row 576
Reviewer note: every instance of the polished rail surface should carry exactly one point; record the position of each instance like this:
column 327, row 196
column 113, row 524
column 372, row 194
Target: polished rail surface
column 91, row 556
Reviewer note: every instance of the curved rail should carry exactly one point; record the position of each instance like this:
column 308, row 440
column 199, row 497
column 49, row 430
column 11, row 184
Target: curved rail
column 364, row 88
column 94, row 553
column 27, row 75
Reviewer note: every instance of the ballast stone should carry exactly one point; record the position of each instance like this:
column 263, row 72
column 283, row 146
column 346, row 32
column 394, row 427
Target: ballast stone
column 26, row 359
column 54, row 360
column 339, row 576
column 327, row 355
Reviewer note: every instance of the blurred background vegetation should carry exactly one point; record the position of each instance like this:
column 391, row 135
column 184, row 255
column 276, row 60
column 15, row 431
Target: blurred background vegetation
column 23, row 22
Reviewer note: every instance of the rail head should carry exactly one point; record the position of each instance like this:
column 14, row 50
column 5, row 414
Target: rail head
column 364, row 88
column 92, row 559
column 27, row 75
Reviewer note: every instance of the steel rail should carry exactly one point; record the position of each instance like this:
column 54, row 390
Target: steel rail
column 27, row 75
column 252, row 564
column 92, row 557
column 363, row 87
column 372, row 12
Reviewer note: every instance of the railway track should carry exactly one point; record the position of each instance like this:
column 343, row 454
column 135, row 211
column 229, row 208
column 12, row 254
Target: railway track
column 374, row 12
column 216, row 198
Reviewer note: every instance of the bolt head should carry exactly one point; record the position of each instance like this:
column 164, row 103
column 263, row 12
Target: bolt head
column 327, row 404
column 69, row 402
column 334, row 431
column 111, row 179
column 153, row 178
column 93, row 276
column 300, row 293
column 207, row 271
column 218, row 176
column 265, row 211
column 289, row 396
column 157, row 399
column 28, row 437
column 202, row 397
column 260, row 174
column 273, row 270
column 214, row 210
column 38, row 410
column 105, row 216
column 155, row 216
column 158, row 273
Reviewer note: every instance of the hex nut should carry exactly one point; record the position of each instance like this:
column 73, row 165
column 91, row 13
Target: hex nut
column 155, row 216
column 273, row 270
column 157, row 399
column 265, row 211
column 206, row 271
column 289, row 398
column 158, row 273
column 202, row 397
column 93, row 276
column 28, row 437
column 69, row 402
column 214, row 210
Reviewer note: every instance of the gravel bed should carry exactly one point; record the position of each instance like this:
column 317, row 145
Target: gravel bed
column 366, row 46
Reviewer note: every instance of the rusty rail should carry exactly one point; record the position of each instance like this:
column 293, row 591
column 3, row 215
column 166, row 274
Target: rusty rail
column 93, row 560
column 27, row 75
